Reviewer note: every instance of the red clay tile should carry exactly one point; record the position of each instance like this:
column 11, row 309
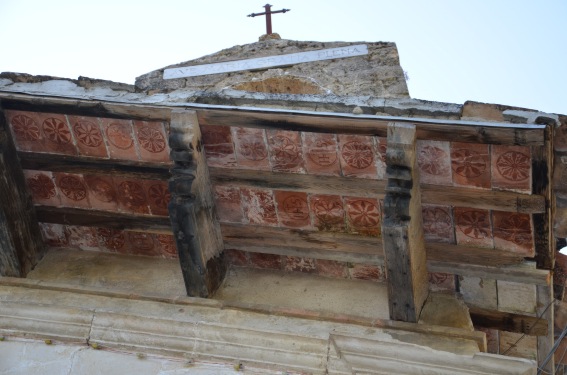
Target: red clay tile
column 72, row 190
column 434, row 160
column 219, row 148
column 470, row 163
column 320, row 152
column 356, row 154
column 366, row 272
column 511, row 168
column 89, row 138
column 102, row 192
column 328, row 212
column 131, row 196
column 84, row 238
column 167, row 246
column 53, row 234
column 236, row 257
column 251, row 148
column 513, row 232
column 158, row 196
column 143, row 243
column 438, row 224
column 270, row 261
column 152, row 141
column 42, row 187
column 57, row 134
column 363, row 215
column 26, row 129
column 380, row 147
column 473, row 227
column 228, row 204
column 120, row 139
column 113, row 240
column 300, row 264
column 332, row 268
column 441, row 281
column 293, row 209
column 285, row 151
column 259, row 206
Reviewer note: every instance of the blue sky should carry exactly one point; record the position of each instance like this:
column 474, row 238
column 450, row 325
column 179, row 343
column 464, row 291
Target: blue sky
column 495, row 51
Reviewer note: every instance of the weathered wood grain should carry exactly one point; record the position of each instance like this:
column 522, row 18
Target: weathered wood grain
column 504, row 321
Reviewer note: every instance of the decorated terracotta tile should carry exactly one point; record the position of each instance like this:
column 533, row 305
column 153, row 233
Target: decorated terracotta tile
column 131, row 196
column 88, row 136
column 328, row 212
column 57, row 134
column 380, row 146
column 473, row 227
column 367, row 272
column 167, row 246
column 120, row 139
column 26, row 130
column 363, row 215
column 511, row 168
column 259, row 206
column 84, row 238
column 42, row 187
column 158, row 196
column 514, row 232
column 270, row 261
column 236, row 257
column 228, row 204
column 357, row 154
column 434, row 160
column 251, row 148
column 286, row 153
column 300, row 264
column 219, row 148
column 143, row 243
column 470, row 163
column 293, row 209
column 152, row 141
column 113, row 240
column 331, row 268
column 102, row 192
column 438, row 224
column 441, row 281
column 321, row 154
column 72, row 190
column 53, row 234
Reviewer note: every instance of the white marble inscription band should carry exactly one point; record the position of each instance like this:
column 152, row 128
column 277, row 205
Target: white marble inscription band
column 266, row 62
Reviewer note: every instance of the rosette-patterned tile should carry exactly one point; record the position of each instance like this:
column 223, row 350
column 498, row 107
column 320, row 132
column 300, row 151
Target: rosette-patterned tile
column 332, row 268
column 293, row 209
column 470, row 163
column 441, row 281
column 328, row 212
column 363, row 215
column 113, row 240
column 260, row 260
column 57, row 134
column 26, row 130
column 219, row 149
column 512, row 168
column 42, row 187
column 143, row 243
column 53, row 234
column 356, row 154
column 320, row 152
column 473, row 227
column 158, row 196
column 236, row 257
column 89, row 137
column 251, row 148
column 514, row 232
column 152, row 141
column 72, row 190
column 120, row 138
column 259, row 207
column 229, row 204
column 84, row 238
column 438, row 224
column 102, row 192
column 300, row 264
column 434, row 160
column 285, row 151
column 167, row 246
column 381, row 145
column 131, row 196
column 367, row 272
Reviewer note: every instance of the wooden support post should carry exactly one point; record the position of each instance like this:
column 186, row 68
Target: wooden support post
column 191, row 210
column 21, row 246
column 402, row 232
column 545, row 309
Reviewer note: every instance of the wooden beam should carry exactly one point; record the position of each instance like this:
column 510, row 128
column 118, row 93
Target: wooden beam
column 191, row 209
column 542, row 222
column 402, row 231
column 504, row 321
column 430, row 194
column 545, row 309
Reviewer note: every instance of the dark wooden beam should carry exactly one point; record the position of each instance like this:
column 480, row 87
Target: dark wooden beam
column 195, row 226
column 504, row 321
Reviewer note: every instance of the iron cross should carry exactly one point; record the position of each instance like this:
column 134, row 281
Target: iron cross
column 268, row 13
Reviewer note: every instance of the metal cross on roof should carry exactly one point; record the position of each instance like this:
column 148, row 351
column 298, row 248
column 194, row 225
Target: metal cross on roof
column 268, row 13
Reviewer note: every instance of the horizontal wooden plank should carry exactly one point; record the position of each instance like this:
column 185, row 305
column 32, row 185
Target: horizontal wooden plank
column 359, row 187
column 103, row 219
column 85, row 165
column 504, row 321
column 456, row 131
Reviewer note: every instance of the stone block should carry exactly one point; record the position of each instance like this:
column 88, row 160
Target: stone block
column 516, row 297
column 479, row 292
